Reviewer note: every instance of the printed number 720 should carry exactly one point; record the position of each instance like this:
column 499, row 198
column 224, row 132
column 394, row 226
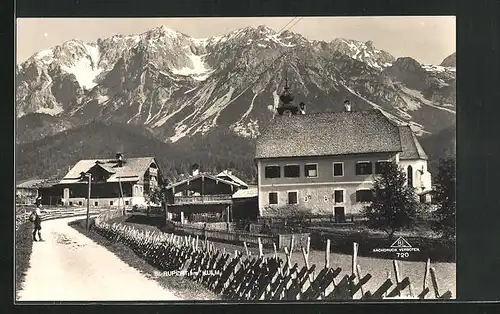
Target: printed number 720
column 403, row 255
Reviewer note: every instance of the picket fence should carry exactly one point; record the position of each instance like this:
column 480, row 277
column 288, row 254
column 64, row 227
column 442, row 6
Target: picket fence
column 245, row 277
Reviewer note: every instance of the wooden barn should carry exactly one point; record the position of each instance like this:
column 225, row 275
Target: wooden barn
column 246, row 204
column 201, row 197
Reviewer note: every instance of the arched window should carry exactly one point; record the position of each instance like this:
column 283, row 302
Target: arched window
column 410, row 176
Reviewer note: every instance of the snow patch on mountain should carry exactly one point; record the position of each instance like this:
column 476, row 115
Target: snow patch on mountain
column 45, row 56
column 250, row 130
column 101, row 99
column 85, row 69
column 51, row 111
column 199, row 71
column 218, row 106
column 437, row 68
column 418, row 95
column 180, row 131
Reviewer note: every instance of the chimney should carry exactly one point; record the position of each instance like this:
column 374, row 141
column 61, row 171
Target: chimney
column 302, row 108
column 347, row 105
column 195, row 169
column 119, row 159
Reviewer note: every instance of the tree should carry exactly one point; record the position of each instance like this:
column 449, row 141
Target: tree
column 394, row 204
column 444, row 197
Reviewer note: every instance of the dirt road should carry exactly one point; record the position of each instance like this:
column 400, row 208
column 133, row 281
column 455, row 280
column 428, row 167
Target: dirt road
column 68, row 266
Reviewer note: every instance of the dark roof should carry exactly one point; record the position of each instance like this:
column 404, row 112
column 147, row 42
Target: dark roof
column 131, row 170
column 326, row 134
column 411, row 147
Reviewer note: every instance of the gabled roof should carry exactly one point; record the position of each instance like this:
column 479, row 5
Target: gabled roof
column 330, row 133
column 232, row 177
column 200, row 175
column 30, row 184
column 411, row 147
column 131, row 170
column 105, row 167
column 246, row 193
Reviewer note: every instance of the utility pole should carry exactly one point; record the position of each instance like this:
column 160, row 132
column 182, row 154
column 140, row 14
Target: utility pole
column 89, row 176
column 122, row 203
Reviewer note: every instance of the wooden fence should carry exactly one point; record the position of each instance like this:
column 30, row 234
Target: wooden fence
column 245, row 277
column 268, row 240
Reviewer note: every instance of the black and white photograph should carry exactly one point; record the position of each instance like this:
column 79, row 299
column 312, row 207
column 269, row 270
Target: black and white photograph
column 226, row 159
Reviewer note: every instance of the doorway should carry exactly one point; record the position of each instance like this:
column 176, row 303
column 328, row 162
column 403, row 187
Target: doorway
column 339, row 213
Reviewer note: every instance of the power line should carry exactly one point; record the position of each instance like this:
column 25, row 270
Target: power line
column 279, row 32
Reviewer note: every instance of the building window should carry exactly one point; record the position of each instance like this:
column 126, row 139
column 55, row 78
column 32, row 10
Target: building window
column 126, row 202
column 363, row 196
column 363, row 168
column 292, row 171
column 338, row 196
column 338, row 169
column 80, row 203
column 110, row 203
column 272, row 172
column 273, row 198
column 292, row 198
column 410, row 176
column 96, row 203
column 311, row 170
column 380, row 166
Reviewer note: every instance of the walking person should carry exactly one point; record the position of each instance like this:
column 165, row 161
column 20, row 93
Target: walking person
column 35, row 217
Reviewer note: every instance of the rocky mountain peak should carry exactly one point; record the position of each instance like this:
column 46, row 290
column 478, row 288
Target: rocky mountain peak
column 450, row 61
column 407, row 63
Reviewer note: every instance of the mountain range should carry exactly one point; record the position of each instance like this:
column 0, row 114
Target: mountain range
column 206, row 100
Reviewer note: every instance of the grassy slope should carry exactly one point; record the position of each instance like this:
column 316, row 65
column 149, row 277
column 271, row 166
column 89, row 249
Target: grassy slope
column 23, row 248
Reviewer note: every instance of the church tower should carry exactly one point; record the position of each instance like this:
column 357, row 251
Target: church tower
column 286, row 107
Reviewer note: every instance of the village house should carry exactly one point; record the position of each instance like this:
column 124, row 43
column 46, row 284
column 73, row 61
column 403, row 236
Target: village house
column 327, row 162
column 27, row 191
column 202, row 196
column 115, row 182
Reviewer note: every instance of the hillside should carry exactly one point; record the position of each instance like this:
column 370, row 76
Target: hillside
column 51, row 156
column 440, row 145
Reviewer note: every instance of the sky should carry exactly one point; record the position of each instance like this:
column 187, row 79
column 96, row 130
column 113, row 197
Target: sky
column 427, row 39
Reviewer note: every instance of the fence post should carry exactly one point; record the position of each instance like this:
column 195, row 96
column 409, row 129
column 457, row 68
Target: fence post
column 434, row 282
column 354, row 258
column 327, row 254
column 261, row 253
column 291, row 246
column 246, row 248
column 289, row 263
column 275, row 251
column 358, row 271
column 426, row 274
column 396, row 273
column 389, row 278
